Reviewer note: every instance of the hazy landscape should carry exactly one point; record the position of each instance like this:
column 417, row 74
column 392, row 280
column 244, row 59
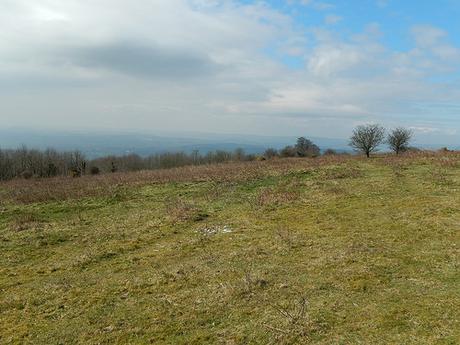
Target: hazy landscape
column 95, row 144
column 229, row 172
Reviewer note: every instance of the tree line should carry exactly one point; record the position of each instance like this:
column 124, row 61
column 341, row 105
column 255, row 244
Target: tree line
column 27, row 163
column 365, row 139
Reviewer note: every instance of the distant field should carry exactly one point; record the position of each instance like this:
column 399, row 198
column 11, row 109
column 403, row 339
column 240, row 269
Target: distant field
column 335, row 250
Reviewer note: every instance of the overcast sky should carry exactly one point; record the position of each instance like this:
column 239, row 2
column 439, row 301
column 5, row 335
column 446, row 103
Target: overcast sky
column 279, row 67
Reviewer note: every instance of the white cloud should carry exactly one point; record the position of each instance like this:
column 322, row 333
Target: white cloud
column 427, row 36
column 425, row 130
column 332, row 19
column 382, row 3
column 317, row 5
column 207, row 64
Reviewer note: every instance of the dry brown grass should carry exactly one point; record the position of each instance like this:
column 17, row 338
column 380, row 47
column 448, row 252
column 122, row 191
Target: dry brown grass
column 437, row 157
column 25, row 221
column 335, row 173
column 179, row 211
column 272, row 197
column 63, row 188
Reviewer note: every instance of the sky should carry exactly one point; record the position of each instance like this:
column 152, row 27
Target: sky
column 275, row 67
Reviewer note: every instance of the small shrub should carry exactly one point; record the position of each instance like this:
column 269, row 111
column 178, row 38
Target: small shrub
column 94, row 170
column 288, row 151
column 271, row 153
column 27, row 175
column 330, row 152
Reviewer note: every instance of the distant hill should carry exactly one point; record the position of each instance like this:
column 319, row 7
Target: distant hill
column 96, row 144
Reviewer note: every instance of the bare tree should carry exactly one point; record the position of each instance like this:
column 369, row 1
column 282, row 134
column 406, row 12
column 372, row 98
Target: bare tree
column 367, row 138
column 270, row 153
column 399, row 139
column 239, row 154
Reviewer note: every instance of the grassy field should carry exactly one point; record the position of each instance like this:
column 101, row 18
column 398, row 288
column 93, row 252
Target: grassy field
column 329, row 251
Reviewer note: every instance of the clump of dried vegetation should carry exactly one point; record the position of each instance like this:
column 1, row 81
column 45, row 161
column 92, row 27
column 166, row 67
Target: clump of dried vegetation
column 180, row 210
column 26, row 221
column 293, row 325
column 270, row 197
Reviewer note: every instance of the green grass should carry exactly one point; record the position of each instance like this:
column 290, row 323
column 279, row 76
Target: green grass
column 362, row 252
